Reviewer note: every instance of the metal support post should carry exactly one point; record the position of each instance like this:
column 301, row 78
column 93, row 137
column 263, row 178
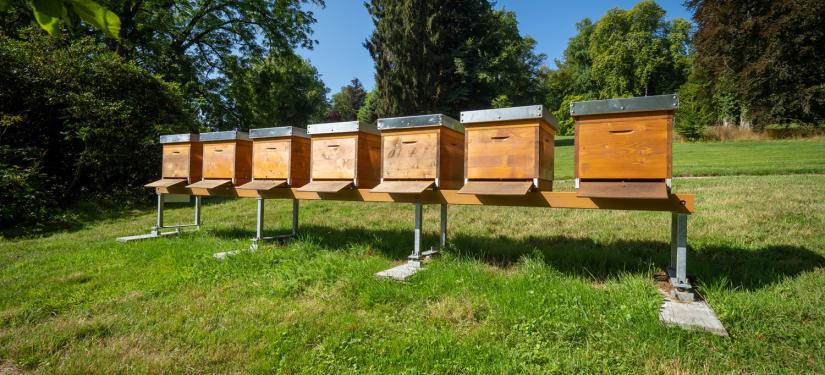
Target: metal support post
column 443, row 239
column 295, row 207
column 198, row 212
column 415, row 257
column 159, row 218
column 259, row 225
column 677, row 271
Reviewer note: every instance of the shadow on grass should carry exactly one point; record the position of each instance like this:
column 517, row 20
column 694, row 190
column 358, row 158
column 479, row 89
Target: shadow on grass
column 716, row 265
column 89, row 212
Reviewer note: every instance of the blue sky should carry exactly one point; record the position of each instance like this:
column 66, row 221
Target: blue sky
column 343, row 25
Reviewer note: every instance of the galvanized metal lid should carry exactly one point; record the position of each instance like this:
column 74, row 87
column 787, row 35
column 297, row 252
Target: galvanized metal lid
column 508, row 114
column 179, row 138
column 279, row 131
column 419, row 122
column 341, row 127
column 637, row 104
column 229, row 135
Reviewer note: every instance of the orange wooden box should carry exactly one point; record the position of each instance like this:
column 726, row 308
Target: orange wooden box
column 418, row 152
column 509, row 151
column 280, row 158
column 227, row 159
column 344, row 154
column 182, row 160
column 624, row 147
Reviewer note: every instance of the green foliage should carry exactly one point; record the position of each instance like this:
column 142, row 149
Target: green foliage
column 279, row 90
column 367, row 111
column 347, row 102
column 764, row 57
column 79, row 120
column 435, row 56
column 49, row 14
column 562, row 115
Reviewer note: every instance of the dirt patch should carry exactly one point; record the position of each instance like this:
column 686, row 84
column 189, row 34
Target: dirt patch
column 8, row 368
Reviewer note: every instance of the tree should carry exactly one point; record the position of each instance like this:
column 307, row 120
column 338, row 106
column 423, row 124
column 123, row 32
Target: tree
column 50, row 13
column 435, row 56
column 367, row 111
column 77, row 120
column 282, row 89
column 764, row 58
column 347, row 102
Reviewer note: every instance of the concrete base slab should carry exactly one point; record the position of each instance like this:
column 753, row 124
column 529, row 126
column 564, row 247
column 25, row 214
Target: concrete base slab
column 402, row 272
column 225, row 254
column 145, row 236
column 693, row 315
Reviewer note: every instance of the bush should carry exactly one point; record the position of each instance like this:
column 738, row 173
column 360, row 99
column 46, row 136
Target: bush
column 78, row 120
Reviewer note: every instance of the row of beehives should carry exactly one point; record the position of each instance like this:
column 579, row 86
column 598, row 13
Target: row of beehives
column 623, row 150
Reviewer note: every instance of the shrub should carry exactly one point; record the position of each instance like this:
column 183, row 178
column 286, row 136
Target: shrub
column 78, row 120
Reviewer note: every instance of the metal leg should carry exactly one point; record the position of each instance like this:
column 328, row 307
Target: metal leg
column 159, row 219
column 198, row 212
column 415, row 257
column 295, row 207
column 678, row 257
column 259, row 224
column 443, row 240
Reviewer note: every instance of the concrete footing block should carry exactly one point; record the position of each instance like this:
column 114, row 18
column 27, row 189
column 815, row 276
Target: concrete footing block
column 402, row 272
column 695, row 315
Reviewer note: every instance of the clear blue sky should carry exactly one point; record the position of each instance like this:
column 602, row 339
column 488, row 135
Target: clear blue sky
column 343, row 25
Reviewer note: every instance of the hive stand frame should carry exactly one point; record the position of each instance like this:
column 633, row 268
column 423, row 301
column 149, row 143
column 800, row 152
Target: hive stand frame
column 415, row 260
column 259, row 225
column 677, row 270
column 157, row 230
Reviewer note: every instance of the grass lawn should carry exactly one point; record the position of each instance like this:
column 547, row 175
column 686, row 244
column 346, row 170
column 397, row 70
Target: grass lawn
column 518, row 289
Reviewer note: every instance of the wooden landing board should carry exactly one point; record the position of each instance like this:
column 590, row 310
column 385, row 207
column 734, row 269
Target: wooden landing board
column 262, row 185
column 166, row 183
column 682, row 203
column 209, row 184
column 325, row 186
column 623, row 189
column 402, row 187
column 496, row 187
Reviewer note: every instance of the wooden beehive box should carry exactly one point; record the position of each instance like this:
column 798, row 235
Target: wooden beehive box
column 624, row 147
column 418, row 152
column 280, row 158
column 182, row 158
column 227, row 159
column 508, row 151
column 344, row 154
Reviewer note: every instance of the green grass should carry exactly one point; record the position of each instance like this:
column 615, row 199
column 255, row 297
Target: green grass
column 518, row 289
column 726, row 158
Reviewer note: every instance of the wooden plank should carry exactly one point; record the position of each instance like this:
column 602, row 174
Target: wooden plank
column 176, row 160
column 262, row 185
column 243, row 162
column 682, row 202
column 451, row 159
column 166, row 183
column 369, row 160
column 219, row 160
column 325, row 186
column 334, row 157
column 623, row 189
column 506, row 152
column 299, row 162
column 410, row 154
column 403, row 187
column 496, row 187
column 209, row 184
column 623, row 146
column 271, row 158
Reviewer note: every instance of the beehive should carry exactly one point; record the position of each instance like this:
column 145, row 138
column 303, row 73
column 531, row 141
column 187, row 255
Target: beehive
column 624, row 147
column 182, row 159
column 227, row 159
column 280, row 158
column 508, row 151
column 419, row 152
column 344, row 154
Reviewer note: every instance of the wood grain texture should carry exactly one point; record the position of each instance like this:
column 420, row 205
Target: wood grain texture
column 243, row 162
column 219, row 160
column 167, row 183
column 325, row 186
column 522, row 149
column 334, row 156
column 682, row 202
column 299, row 162
column 402, row 187
column 177, row 160
column 496, row 187
column 623, row 189
column 210, row 184
column 451, row 167
column 410, row 154
column 624, row 146
column 271, row 158
column 369, row 160
column 262, row 185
